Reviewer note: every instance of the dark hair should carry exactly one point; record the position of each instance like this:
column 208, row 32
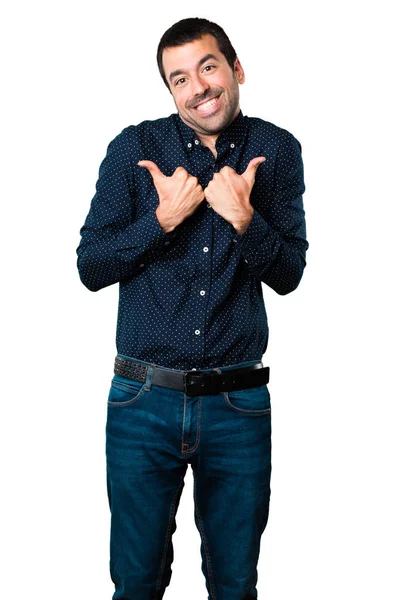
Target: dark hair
column 189, row 30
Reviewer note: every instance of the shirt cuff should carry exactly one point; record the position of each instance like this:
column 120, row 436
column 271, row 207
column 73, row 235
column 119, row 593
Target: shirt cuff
column 147, row 233
column 254, row 236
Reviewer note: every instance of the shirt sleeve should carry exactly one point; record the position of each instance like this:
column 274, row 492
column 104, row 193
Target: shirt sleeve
column 274, row 245
column 114, row 244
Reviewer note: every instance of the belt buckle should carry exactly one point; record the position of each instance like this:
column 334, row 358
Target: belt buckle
column 196, row 388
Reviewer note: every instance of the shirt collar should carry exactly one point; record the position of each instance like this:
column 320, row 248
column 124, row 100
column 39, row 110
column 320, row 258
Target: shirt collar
column 234, row 134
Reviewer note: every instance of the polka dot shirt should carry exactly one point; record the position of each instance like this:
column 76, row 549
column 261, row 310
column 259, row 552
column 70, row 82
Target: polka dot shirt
column 192, row 298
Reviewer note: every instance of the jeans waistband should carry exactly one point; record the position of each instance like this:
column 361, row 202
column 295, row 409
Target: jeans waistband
column 206, row 370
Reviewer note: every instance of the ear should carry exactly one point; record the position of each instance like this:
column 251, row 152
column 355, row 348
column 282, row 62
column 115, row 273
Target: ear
column 239, row 71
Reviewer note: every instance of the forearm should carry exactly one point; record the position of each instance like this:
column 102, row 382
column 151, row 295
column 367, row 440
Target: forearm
column 107, row 259
column 115, row 244
column 271, row 257
column 274, row 244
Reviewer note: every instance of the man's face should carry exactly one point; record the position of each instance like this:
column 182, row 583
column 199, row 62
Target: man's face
column 204, row 87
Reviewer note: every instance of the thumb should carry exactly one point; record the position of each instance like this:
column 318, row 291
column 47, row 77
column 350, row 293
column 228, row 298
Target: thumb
column 152, row 168
column 249, row 173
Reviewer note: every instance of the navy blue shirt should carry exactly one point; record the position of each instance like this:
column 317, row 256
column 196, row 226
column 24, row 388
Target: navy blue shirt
column 192, row 298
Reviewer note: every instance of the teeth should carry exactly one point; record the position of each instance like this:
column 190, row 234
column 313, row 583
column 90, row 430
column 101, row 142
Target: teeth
column 207, row 104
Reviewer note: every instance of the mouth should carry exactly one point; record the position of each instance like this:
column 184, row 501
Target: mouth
column 209, row 106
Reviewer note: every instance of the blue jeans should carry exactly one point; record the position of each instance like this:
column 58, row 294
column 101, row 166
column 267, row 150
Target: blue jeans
column 152, row 433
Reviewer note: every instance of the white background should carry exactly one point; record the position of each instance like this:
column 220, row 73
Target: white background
column 74, row 75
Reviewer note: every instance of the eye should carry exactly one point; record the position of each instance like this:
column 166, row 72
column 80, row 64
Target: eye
column 209, row 67
column 178, row 80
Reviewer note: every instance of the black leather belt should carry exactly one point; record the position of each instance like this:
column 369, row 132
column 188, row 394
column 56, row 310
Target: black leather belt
column 195, row 383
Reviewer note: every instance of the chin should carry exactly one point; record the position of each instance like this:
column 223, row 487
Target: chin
column 217, row 124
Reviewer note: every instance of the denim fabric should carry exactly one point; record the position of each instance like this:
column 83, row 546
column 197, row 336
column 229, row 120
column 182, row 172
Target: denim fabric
column 152, row 434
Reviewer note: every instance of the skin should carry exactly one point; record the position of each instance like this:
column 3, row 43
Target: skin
column 194, row 77
column 195, row 83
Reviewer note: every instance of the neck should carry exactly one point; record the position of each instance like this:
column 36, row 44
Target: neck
column 209, row 140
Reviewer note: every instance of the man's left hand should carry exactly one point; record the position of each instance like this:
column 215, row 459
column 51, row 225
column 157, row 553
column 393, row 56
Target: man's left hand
column 229, row 194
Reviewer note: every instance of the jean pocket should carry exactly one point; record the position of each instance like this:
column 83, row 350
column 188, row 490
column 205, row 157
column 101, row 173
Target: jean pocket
column 254, row 401
column 124, row 392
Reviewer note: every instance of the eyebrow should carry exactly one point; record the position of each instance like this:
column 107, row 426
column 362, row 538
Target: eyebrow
column 200, row 62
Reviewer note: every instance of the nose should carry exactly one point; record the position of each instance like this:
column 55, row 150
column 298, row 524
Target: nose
column 199, row 86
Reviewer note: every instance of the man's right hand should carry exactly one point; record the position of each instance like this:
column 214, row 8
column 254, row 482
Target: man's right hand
column 179, row 195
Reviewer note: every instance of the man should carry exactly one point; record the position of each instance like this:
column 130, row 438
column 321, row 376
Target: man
column 191, row 214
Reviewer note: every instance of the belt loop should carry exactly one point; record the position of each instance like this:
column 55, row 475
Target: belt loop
column 148, row 379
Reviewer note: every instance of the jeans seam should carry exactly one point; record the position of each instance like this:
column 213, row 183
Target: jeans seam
column 125, row 387
column 205, row 544
column 128, row 402
column 247, row 411
column 168, row 536
column 186, row 452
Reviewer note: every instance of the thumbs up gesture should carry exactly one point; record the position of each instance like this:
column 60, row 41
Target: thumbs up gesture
column 229, row 194
column 179, row 195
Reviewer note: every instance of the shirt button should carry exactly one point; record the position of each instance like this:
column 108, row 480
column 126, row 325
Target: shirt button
column 189, row 145
column 142, row 265
column 197, row 331
column 193, row 368
column 245, row 260
column 167, row 243
column 202, row 292
column 232, row 145
column 196, row 142
column 208, row 205
column 205, row 249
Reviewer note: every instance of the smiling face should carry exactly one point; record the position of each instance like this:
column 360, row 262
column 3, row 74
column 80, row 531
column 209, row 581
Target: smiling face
column 204, row 87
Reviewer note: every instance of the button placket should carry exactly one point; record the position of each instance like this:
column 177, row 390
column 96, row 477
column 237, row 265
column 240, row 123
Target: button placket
column 201, row 307
column 199, row 291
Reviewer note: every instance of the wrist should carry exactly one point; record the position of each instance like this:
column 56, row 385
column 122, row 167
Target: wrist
column 166, row 225
column 242, row 226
